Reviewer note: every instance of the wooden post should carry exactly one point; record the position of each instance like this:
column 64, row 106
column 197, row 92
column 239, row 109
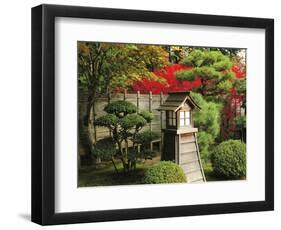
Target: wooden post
column 150, row 110
column 124, row 98
column 138, row 101
column 199, row 157
column 124, row 94
column 161, row 123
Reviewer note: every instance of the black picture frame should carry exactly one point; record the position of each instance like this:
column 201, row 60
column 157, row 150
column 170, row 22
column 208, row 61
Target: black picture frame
column 43, row 110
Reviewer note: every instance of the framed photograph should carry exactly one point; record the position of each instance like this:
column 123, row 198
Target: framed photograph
column 142, row 114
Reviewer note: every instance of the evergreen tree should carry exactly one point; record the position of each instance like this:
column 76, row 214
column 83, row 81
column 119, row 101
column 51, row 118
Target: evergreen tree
column 208, row 122
column 213, row 68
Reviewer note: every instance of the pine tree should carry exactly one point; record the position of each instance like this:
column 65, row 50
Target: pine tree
column 213, row 68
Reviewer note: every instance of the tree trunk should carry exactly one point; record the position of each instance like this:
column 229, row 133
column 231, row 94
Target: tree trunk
column 88, row 126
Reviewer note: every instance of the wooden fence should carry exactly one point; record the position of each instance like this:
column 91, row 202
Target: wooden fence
column 144, row 102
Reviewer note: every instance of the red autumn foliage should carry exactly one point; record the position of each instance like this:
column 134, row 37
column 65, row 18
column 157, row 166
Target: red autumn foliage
column 167, row 83
column 232, row 108
column 239, row 73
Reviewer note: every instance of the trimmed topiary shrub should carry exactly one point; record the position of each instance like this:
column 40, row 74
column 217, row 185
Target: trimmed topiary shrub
column 229, row 159
column 120, row 108
column 164, row 172
column 125, row 124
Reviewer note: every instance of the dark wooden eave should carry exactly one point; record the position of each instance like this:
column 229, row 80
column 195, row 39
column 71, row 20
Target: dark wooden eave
column 176, row 100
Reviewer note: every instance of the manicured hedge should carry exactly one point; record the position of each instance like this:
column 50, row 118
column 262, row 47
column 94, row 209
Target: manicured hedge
column 164, row 172
column 229, row 159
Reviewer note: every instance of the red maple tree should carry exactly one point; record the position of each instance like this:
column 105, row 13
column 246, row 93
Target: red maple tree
column 167, row 81
column 232, row 107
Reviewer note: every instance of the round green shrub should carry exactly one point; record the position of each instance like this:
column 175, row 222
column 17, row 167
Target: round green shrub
column 164, row 172
column 104, row 149
column 229, row 159
column 146, row 137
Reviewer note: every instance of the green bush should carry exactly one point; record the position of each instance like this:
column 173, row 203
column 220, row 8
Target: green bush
column 229, row 159
column 164, row 172
column 104, row 149
column 146, row 137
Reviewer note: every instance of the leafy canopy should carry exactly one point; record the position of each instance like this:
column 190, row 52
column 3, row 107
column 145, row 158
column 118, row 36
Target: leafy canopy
column 213, row 68
column 105, row 66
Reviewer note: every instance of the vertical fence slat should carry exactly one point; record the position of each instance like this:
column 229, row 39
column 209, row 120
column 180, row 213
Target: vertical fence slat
column 161, row 123
column 138, row 101
column 150, row 110
column 124, row 94
column 124, row 98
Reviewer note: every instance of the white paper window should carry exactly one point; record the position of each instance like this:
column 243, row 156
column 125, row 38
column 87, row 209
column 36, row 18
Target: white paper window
column 184, row 118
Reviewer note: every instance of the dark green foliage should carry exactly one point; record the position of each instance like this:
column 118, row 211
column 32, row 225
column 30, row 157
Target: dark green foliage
column 104, row 149
column 216, row 59
column 240, row 85
column 108, row 120
column 205, row 142
column 240, row 122
column 144, row 138
column 164, row 172
column 229, row 159
column 207, row 120
column 212, row 67
column 120, row 108
column 132, row 120
column 147, row 116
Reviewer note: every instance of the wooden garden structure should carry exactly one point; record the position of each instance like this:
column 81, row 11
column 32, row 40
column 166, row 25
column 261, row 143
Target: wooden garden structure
column 179, row 137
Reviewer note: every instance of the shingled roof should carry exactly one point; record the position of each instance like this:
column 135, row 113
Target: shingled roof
column 176, row 100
